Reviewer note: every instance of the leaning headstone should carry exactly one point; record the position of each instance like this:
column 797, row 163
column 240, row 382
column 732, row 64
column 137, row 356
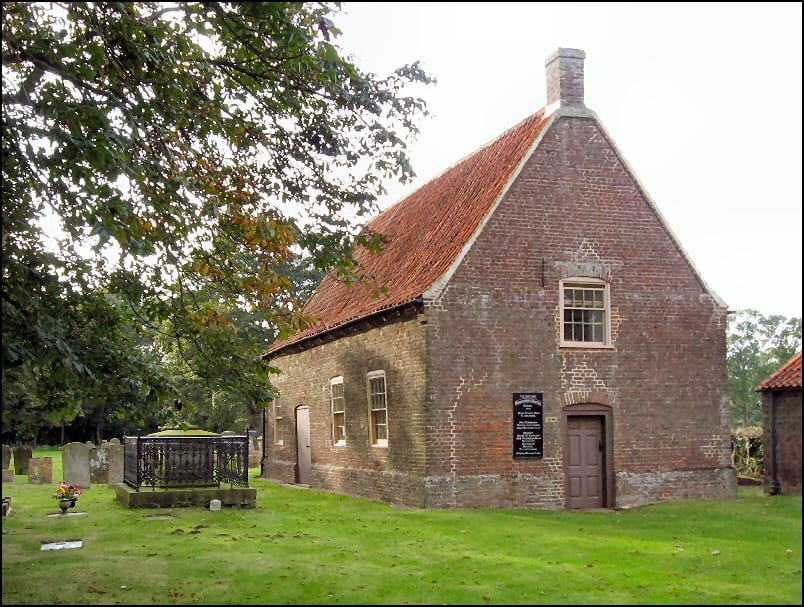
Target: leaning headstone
column 75, row 462
column 22, row 453
column 6, row 457
column 98, row 464
column 40, row 470
column 116, row 463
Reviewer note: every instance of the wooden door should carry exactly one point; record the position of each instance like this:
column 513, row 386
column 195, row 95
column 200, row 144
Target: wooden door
column 304, row 458
column 585, row 462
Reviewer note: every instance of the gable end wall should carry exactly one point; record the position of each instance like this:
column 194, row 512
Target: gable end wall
column 574, row 210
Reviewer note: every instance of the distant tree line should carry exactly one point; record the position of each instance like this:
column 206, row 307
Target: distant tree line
column 757, row 345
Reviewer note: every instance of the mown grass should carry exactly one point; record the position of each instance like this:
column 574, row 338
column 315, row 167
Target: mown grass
column 301, row 546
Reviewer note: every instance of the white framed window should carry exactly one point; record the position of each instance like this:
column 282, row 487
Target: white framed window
column 278, row 429
column 585, row 313
column 338, row 405
column 377, row 408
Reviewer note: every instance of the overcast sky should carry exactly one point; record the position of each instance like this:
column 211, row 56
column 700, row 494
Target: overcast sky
column 702, row 99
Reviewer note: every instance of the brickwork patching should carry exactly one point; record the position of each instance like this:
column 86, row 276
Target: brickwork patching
column 466, row 385
column 579, row 380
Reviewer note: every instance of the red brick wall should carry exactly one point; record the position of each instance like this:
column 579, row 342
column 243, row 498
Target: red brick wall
column 394, row 474
column 494, row 330
column 788, row 441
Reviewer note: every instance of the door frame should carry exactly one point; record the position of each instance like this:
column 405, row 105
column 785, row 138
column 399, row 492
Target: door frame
column 299, row 447
column 604, row 412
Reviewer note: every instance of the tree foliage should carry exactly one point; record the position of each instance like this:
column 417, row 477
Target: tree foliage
column 189, row 154
column 757, row 346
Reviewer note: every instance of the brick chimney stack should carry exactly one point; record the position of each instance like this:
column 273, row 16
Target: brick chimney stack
column 565, row 79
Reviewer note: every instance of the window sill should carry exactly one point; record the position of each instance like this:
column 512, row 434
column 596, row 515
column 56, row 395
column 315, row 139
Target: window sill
column 583, row 346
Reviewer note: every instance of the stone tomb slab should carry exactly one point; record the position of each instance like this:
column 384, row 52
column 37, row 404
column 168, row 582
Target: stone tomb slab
column 63, row 545
column 65, row 514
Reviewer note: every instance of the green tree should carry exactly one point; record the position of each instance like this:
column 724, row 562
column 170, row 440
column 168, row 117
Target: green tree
column 757, row 345
column 115, row 376
column 220, row 407
column 186, row 152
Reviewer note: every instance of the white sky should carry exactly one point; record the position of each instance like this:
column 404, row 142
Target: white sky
column 702, row 99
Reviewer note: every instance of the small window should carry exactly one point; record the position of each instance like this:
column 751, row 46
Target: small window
column 378, row 409
column 585, row 313
column 278, row 436
column 338, row 411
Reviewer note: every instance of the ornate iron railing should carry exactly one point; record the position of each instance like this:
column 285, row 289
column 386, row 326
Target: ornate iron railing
column 185, row 461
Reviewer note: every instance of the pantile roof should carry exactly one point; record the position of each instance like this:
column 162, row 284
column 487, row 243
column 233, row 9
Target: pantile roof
column 427, row 232
column 788, row 376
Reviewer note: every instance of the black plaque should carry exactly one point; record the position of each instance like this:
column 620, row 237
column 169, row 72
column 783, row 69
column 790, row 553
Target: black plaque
column 528, row 432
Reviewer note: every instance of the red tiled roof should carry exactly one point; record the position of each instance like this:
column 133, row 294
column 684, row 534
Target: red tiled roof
column 427, row 232
column 788, row 376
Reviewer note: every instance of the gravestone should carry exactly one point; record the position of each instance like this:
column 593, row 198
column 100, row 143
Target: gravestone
column 75, row 461
column 22, row 453
column 252, row 435
column 8, row 476
column 40, row 470
column 6, row 457
column 99, row 464
column 255, row 451
column 116, row 462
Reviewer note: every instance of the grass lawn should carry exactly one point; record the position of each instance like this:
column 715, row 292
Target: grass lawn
column 302, row 546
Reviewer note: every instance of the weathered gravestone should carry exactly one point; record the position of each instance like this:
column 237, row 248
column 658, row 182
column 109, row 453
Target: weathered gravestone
column 116, row 462
column 99, row 464
column 75, row 461
column 40, row 470
column 8, row 474
column 254, row 449
column 22, row 453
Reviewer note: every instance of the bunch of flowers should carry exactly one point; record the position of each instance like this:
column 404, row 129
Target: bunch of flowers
column 66, row 492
